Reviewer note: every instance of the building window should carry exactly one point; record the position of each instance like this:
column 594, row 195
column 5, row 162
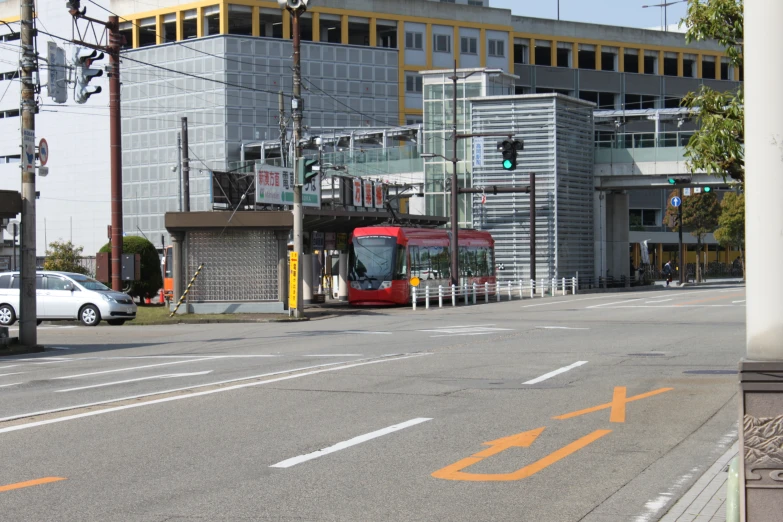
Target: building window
column 689, row 66
column 670, row 64
column 644, row 217
column 496, row 48
column 414, row 41
column 640, row 101
column 13, row 113
column 441, row 43
column 11, row 75
column 650, row 62
column 708, row 67
column 212, row 20
column 469, row 45
column 240, row 20
column 190, row 24
column 386, row 31
column 147, row 34
column 413, row 83
column 726, row 70
column 543, row 52
column 170, row 27
column 331, row 28
column 126, row 31
column 631, row 61
column 587, row 56
column 477, row 3
column 270, row 23
column 564, row 54
column 521, row 52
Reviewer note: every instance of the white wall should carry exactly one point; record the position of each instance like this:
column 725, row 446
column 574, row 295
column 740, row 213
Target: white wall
column 77, row 189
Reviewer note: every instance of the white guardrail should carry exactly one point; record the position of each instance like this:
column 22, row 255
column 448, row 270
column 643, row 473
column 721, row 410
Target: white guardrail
column 474, row 293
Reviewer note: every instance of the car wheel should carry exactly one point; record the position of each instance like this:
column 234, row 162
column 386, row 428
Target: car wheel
column 90, row 316
column 116, row 322
column 7, row 315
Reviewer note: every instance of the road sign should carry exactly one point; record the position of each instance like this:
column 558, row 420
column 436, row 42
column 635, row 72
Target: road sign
column 676, row 202
column 43, row 151
column 28, row 150
column 478, row 152
column 293, row 278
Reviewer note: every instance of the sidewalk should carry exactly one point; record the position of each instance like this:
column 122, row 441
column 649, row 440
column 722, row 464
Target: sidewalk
column 706, row 500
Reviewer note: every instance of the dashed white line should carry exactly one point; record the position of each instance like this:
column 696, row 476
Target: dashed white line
column 737, row 302
column 556, row 372
column 169, row 376
column 7, row 374
column 200, row 394
column 560, row 328
column 333, row 355
column 348, row 443
column 9, row 366
column 7, row 385
column 134, row 368
column 614, row 303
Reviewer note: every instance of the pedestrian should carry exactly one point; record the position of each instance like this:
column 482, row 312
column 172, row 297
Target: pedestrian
column 667, row 271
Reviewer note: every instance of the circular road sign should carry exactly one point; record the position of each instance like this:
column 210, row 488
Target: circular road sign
column 676, row 202
column 43, row 151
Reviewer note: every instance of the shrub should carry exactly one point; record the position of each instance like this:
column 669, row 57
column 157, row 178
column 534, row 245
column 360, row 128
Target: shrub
column 151, row 277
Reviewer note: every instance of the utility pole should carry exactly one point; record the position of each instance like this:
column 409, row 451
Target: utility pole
column 179, row 172
column 296, row 8
column 28, row 333
column 115, row 137
column 532, row 226
column 761, row 371
column 283, row 132
column 185, row 166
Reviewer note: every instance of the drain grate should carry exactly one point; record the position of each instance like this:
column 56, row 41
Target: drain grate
column 711, row 372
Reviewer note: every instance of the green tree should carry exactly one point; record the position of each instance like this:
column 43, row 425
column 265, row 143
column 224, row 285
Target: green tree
column 700, row 213
column 64, row 256
column 151, row 276
column 731, row 225
column 717, row 147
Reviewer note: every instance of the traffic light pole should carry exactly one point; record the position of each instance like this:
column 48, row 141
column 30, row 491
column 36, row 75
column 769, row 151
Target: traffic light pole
column 115, row 137
column 28, row 333
column 683, row 266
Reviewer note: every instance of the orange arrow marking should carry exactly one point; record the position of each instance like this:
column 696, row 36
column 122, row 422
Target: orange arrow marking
column 37, row 482
column 524, row 440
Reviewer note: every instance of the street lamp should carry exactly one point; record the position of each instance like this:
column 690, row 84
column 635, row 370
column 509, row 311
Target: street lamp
column 664, row 7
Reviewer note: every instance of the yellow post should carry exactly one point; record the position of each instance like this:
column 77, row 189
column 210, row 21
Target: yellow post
column 621, row 59
column 200, row 22
column 680, row 65
column 223, row 17
column 135, row 33
column 718, row 61
column 699, row 58
column 553, row 51
column 286, row 28
column 256, row 27
column 180, row 20
column 344, row 29
column 483, row 48
column 159, row 29
column 429, row 47
column 641, row 61
column 660, row 63
column 599, row 62
column 316, row 27
column 457, row 45
column 373, row 32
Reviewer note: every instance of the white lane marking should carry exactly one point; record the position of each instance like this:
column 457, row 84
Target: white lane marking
column 199, row 394
column 133, row 368
column 469, row 325
column 556, row 372
column 7, row 385
column 560, row 328
column 615, row 303
column 7, row 374
column 169, row 376
column 54, row 362
column 359, row 332
column 735, row 302
column 675, row 306
column 460, row 334
column 143, row 395
column 333, row 355
column 657, row 301
column 9, row 366
column 348, row 443
column 60, row 348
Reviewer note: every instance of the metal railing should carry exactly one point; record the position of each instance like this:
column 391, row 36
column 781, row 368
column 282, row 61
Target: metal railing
column 475, row 293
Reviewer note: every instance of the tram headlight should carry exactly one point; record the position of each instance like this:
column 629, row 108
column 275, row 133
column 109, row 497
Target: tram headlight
column 385, row 285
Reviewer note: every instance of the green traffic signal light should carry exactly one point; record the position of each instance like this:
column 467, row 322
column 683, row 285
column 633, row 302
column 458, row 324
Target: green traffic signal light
column 508, row 164
column 707, row 189
column 672, row 181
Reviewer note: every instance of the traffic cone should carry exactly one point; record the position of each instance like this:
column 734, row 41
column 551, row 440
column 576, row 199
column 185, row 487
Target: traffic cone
column 147, row 299
column 161, row 296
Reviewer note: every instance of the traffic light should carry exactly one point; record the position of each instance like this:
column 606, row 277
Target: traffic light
column 82, row 60
column 679, row 181
column 509, row 149
column 305, row 170
column 707, row 189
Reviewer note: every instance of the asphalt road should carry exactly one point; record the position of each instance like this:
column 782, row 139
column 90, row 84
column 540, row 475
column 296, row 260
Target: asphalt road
column 596, row 407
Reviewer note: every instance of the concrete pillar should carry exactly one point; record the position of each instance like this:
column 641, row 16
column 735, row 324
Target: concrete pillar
column 617, row 235
column 599, row 232
column 761, row 372
column 307, row 278
column 282, row 266
column 177, row 240
column 343, row 287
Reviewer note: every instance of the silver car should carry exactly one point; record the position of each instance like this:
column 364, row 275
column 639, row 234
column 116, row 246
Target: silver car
column 66, row 296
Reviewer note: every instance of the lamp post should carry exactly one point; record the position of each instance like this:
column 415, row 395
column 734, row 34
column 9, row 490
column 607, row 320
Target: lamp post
column 664, row 8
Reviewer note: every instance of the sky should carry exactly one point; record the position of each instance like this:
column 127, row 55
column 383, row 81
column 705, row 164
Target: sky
column 627, row 13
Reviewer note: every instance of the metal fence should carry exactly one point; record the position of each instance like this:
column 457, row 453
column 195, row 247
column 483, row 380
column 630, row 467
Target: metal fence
column 476, row 293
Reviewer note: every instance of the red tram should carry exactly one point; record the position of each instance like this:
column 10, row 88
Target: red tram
column 382, row 260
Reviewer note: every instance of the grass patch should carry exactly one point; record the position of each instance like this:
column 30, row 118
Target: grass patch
column 150, row 315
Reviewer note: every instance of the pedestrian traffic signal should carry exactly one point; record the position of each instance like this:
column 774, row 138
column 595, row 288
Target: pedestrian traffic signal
column 305, row 170
column 508, row 150
column 82, row 61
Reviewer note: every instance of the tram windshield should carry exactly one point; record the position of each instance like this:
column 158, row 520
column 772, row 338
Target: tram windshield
column 371, row 259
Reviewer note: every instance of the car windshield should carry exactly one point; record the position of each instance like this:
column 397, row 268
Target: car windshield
column 371, row 258
column 89, row 283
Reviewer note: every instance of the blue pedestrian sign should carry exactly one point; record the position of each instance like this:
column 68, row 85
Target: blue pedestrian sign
column 676, row 202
